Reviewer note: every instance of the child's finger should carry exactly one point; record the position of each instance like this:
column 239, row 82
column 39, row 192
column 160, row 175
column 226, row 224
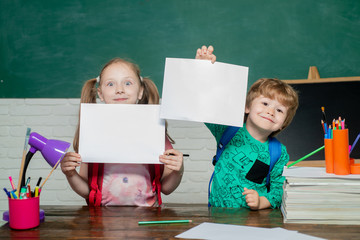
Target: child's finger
column 204, row 49
column 213, row 59
column 198, row 53
column 171, row 164
column 210, row 50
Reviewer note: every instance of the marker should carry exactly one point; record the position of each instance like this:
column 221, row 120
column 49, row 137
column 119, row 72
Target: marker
column 38, row 182
column 306, row 156
column 7, row 193
column 29, row 190
column 164, row 222
column 13, row 194
column 36, row 191
column 23, row 193
column 12, row 183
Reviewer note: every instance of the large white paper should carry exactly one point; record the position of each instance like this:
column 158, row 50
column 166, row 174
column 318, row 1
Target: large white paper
column 197, row 90
column 121, row 133
column 227, row 232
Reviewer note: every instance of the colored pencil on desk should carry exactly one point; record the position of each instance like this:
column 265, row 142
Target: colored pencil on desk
column 164, row 222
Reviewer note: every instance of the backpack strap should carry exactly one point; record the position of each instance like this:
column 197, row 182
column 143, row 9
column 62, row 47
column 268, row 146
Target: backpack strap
column 228, row 134
column 275, row 153
column 95, row 180
column 156, row 174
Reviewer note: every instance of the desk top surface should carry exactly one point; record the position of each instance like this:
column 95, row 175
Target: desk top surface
column 79, row 222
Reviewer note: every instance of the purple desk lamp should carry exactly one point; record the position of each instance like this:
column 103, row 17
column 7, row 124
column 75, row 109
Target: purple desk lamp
column 52, row 151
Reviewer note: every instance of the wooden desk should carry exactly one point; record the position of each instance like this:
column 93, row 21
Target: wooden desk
column 78, row 222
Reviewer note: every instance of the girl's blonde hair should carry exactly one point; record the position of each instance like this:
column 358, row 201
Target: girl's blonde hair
column 275, row 89
column 89, row 93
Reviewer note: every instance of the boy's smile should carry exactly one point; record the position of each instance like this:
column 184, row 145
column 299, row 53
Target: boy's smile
column 265, row 116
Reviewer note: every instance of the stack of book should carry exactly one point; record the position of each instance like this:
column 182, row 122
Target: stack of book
column 313, row 196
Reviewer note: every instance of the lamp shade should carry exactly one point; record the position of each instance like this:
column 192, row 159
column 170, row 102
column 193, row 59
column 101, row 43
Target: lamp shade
column 52, row 150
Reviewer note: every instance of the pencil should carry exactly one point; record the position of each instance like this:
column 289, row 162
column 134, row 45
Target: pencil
column 323, row 113
column 165, row 222
column 306, row 156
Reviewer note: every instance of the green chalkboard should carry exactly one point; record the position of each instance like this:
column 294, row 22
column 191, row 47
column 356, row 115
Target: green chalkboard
column 49, row 48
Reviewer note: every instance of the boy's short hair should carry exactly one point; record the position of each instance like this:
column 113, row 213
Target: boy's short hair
column 274, row 88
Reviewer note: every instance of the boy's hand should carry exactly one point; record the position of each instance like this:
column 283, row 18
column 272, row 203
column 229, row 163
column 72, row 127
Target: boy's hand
column 69, row 163
column 252, row 198
column 206, row 53
column 173, row 159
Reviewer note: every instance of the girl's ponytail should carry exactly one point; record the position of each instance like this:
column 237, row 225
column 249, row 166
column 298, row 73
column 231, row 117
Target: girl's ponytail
column 88, row 95
column 151, row 94
column 88, row 92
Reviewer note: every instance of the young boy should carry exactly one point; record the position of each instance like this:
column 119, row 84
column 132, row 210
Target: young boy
column 240, row 173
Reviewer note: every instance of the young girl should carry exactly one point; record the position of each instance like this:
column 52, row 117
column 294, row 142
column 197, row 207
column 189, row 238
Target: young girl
column 122, row 184
column 241, row 171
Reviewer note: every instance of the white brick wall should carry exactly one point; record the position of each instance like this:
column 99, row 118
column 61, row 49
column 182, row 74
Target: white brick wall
column 57, row 119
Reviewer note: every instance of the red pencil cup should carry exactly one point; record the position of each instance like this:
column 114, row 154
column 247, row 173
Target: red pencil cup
column 341, row 152
column 24, row 213
column 329, row 155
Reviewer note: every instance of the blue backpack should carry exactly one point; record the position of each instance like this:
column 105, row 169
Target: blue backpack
column 229, row 133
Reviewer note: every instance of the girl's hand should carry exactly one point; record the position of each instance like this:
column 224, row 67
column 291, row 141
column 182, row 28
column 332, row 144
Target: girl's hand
column 206, row 53
column 173, row 159
column 252, row 198
column 69, row 163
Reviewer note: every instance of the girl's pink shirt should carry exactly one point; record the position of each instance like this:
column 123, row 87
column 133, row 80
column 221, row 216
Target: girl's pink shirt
column 129, row 184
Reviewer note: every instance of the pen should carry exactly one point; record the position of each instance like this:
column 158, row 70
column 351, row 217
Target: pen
column 27, row 181
column 184, row 155
column 164, row 222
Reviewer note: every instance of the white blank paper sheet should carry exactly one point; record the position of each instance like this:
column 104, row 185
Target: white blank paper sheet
column 121, row 133
column 216, row 231
column 197, row 90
